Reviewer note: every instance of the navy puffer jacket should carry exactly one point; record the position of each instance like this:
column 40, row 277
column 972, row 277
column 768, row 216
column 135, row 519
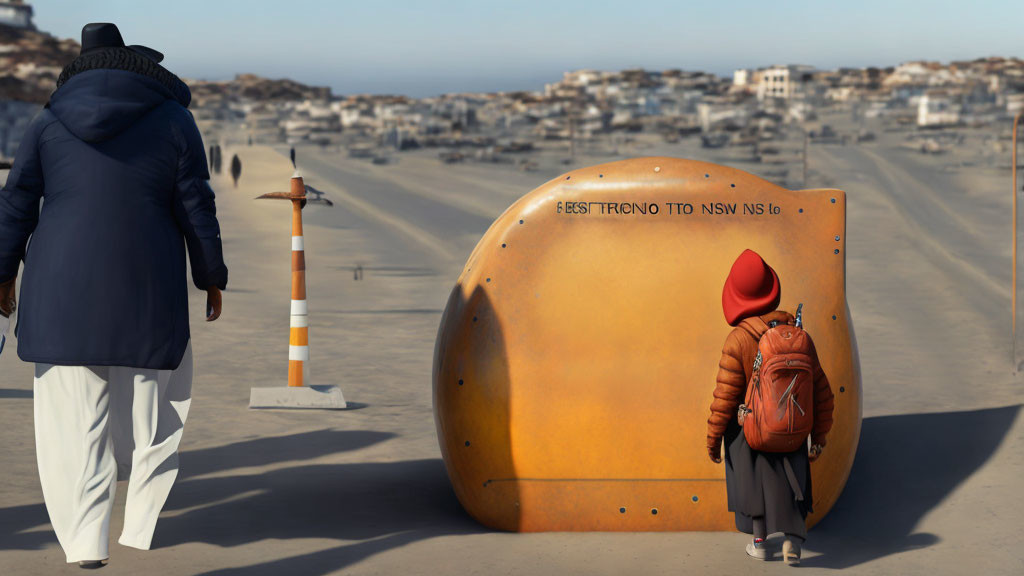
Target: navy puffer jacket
column 119, row 167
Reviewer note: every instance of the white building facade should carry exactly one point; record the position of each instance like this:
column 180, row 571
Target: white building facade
column 16, row 13
column 774, row 83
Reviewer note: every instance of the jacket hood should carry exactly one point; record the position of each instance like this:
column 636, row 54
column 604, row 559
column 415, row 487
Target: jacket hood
column 100, row 95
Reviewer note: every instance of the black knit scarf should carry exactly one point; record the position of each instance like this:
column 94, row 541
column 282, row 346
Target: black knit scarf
column 125, row 59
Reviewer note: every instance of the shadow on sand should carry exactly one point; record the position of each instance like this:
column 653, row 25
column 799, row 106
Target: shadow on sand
column 368, row 508
column 906, row 465
column 380, row 506
column 26, row 527
column 13, row 393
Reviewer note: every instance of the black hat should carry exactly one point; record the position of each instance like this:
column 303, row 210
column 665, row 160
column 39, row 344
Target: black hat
column 99, row 35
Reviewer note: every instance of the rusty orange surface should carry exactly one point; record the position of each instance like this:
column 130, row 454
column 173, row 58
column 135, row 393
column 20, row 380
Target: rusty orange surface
column 576, row 358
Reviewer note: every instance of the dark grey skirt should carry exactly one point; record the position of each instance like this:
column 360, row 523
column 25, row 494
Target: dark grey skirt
column 774, row 485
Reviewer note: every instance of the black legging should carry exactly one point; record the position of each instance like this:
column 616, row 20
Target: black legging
column 761, row 529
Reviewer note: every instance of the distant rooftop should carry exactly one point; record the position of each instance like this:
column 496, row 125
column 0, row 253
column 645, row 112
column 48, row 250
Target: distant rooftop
column 16, row 13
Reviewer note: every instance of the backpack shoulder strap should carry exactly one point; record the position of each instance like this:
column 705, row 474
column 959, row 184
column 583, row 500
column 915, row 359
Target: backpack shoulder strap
column 755, row 326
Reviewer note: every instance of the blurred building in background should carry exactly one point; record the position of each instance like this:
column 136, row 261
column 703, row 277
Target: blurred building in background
column 753, row 108
column 17, row 14
column 30, row 62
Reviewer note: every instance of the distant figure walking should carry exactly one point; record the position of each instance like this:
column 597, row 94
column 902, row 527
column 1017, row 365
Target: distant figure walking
column 217, row 159
column 293, row 157
column 236, row 169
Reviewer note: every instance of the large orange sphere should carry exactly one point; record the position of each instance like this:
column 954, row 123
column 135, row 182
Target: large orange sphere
column 576, row 359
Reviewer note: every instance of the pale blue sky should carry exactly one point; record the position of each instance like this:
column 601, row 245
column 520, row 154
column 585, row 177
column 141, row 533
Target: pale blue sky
column 424, row 48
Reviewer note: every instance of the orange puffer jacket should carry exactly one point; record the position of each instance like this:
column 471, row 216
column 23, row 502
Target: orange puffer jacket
column 734, row 371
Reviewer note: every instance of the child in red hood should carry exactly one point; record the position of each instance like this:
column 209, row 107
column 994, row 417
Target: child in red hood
column 769, row 492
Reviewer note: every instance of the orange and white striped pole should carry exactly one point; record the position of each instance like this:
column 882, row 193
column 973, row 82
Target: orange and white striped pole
column 298, row 341
column 300, row 393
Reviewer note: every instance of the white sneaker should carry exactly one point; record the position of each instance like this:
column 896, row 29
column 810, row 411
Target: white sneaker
column 757, row 549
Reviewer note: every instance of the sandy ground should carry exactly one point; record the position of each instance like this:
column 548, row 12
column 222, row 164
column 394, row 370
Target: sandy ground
column 934, row 489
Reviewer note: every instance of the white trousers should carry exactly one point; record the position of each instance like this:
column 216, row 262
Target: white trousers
column 99, row 424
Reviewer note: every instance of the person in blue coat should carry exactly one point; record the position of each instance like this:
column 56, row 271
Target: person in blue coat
column 108, row 188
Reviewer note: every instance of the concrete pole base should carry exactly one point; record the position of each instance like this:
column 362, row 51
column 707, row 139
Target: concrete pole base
column 297, row 397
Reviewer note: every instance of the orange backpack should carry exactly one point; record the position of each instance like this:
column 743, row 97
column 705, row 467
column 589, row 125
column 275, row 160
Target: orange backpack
column 780, row 394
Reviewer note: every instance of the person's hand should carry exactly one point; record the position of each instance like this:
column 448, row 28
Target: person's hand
column 814, row 452
column 213, row 303
column 715, row 451
column 8, row 301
